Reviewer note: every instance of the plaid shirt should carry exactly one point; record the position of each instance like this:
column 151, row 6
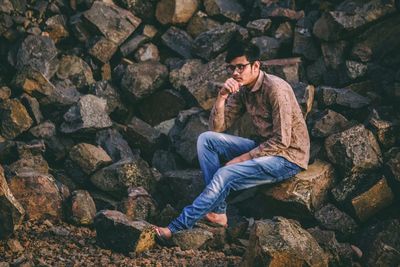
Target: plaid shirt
column 276, row 115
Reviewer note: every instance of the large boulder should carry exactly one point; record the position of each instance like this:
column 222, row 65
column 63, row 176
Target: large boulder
column 191, row 239
column 115, row 231
column 11, row 211
column 282, row 242
column 90, row 113
column 38, row 194
column 14, row 118
column 354, row 149
column 201, row 80
column 199, row 23
column 118, row 177
column 143, row 79
column 329, row 122
column 300, row 196
column 33, row 82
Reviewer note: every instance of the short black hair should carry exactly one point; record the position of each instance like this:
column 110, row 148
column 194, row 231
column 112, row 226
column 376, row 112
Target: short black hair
column 238, row 49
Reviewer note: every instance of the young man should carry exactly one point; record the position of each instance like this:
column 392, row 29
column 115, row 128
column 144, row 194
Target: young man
column 282, row 152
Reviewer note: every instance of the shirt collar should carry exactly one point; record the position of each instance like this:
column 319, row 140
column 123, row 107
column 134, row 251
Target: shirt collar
column 259, row 82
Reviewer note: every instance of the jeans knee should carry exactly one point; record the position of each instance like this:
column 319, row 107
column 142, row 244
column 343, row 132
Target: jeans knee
column 205, row 138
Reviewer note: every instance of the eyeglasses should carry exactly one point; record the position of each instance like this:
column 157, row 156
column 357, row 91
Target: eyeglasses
column 239, row 67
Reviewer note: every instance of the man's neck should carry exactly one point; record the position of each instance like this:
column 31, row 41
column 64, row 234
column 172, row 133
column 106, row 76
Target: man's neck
column 251, row 84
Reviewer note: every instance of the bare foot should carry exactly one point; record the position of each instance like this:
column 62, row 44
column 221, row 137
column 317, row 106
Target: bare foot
column 217, row 218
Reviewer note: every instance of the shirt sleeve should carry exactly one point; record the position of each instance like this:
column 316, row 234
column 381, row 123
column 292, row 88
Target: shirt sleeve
column 222, row 118
column 281, row 126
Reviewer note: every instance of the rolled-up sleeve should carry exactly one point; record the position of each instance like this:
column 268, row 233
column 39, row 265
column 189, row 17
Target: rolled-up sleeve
column 281, row 126
column 222, row 118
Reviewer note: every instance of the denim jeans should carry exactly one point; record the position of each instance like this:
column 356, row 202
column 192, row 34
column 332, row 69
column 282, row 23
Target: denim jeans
column 214, row 148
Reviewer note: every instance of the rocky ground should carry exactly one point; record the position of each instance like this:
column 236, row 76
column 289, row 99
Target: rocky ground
column 48, row 244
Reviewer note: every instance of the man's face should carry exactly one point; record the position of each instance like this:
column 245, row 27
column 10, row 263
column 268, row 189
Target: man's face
column 243, row 71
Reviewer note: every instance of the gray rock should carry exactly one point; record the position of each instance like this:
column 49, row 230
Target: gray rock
column 115, row 231
column 380, row 243
column 200, row 23
column 114, row 23
column 63, row 95
column 132, row 44
column 329, row 123
column 118, row 177
column 209, row 44
column 11, row 211
column 88, row 114
column 164, row 161
column 340, row 254
column 161, row 106
column 369, row 45
column 185, row 143
column 258, row 27
column 329, row 96
column 38, row 195
column 282, row 242
column 33, row 108
column 103, row 200
column 114, row 144
column 231, row 10
column 202, row 81
column 143, row 79
column 354, row 149
column 178, row 41
column 141, row 135
column 268, row 46
column 14, row 118
column 303, row 43
column 89, row 157
column 37, row 52
column 385, row 128
column 331, row 218
column 76, row 70
column 139, row 205
column 333, row 53
column 181, row 187
column 334, row 25
column 286, row 68
column 175, row 11
column 105, row 90
column 83, row 208
column 144, row 9
column 191, row 239
column 315, row 71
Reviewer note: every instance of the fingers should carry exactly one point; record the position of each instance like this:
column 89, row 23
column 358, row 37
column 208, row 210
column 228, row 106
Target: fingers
column 231, row 86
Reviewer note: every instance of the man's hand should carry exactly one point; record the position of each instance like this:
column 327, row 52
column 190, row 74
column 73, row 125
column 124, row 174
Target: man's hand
column 241, row 158
column 230, row 86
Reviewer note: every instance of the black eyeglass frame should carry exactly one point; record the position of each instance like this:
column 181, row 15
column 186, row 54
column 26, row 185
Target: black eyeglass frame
column 239, row 67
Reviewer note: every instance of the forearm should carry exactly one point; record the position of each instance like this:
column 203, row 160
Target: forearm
column 217, row 118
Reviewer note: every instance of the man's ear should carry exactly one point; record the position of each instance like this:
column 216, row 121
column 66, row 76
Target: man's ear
column 257, row 64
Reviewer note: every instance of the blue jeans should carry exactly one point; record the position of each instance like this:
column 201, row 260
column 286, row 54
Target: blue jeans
column 212, row 148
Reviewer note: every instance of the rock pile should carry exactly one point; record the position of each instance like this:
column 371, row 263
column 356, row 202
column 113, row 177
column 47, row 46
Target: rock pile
column 101, row 103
